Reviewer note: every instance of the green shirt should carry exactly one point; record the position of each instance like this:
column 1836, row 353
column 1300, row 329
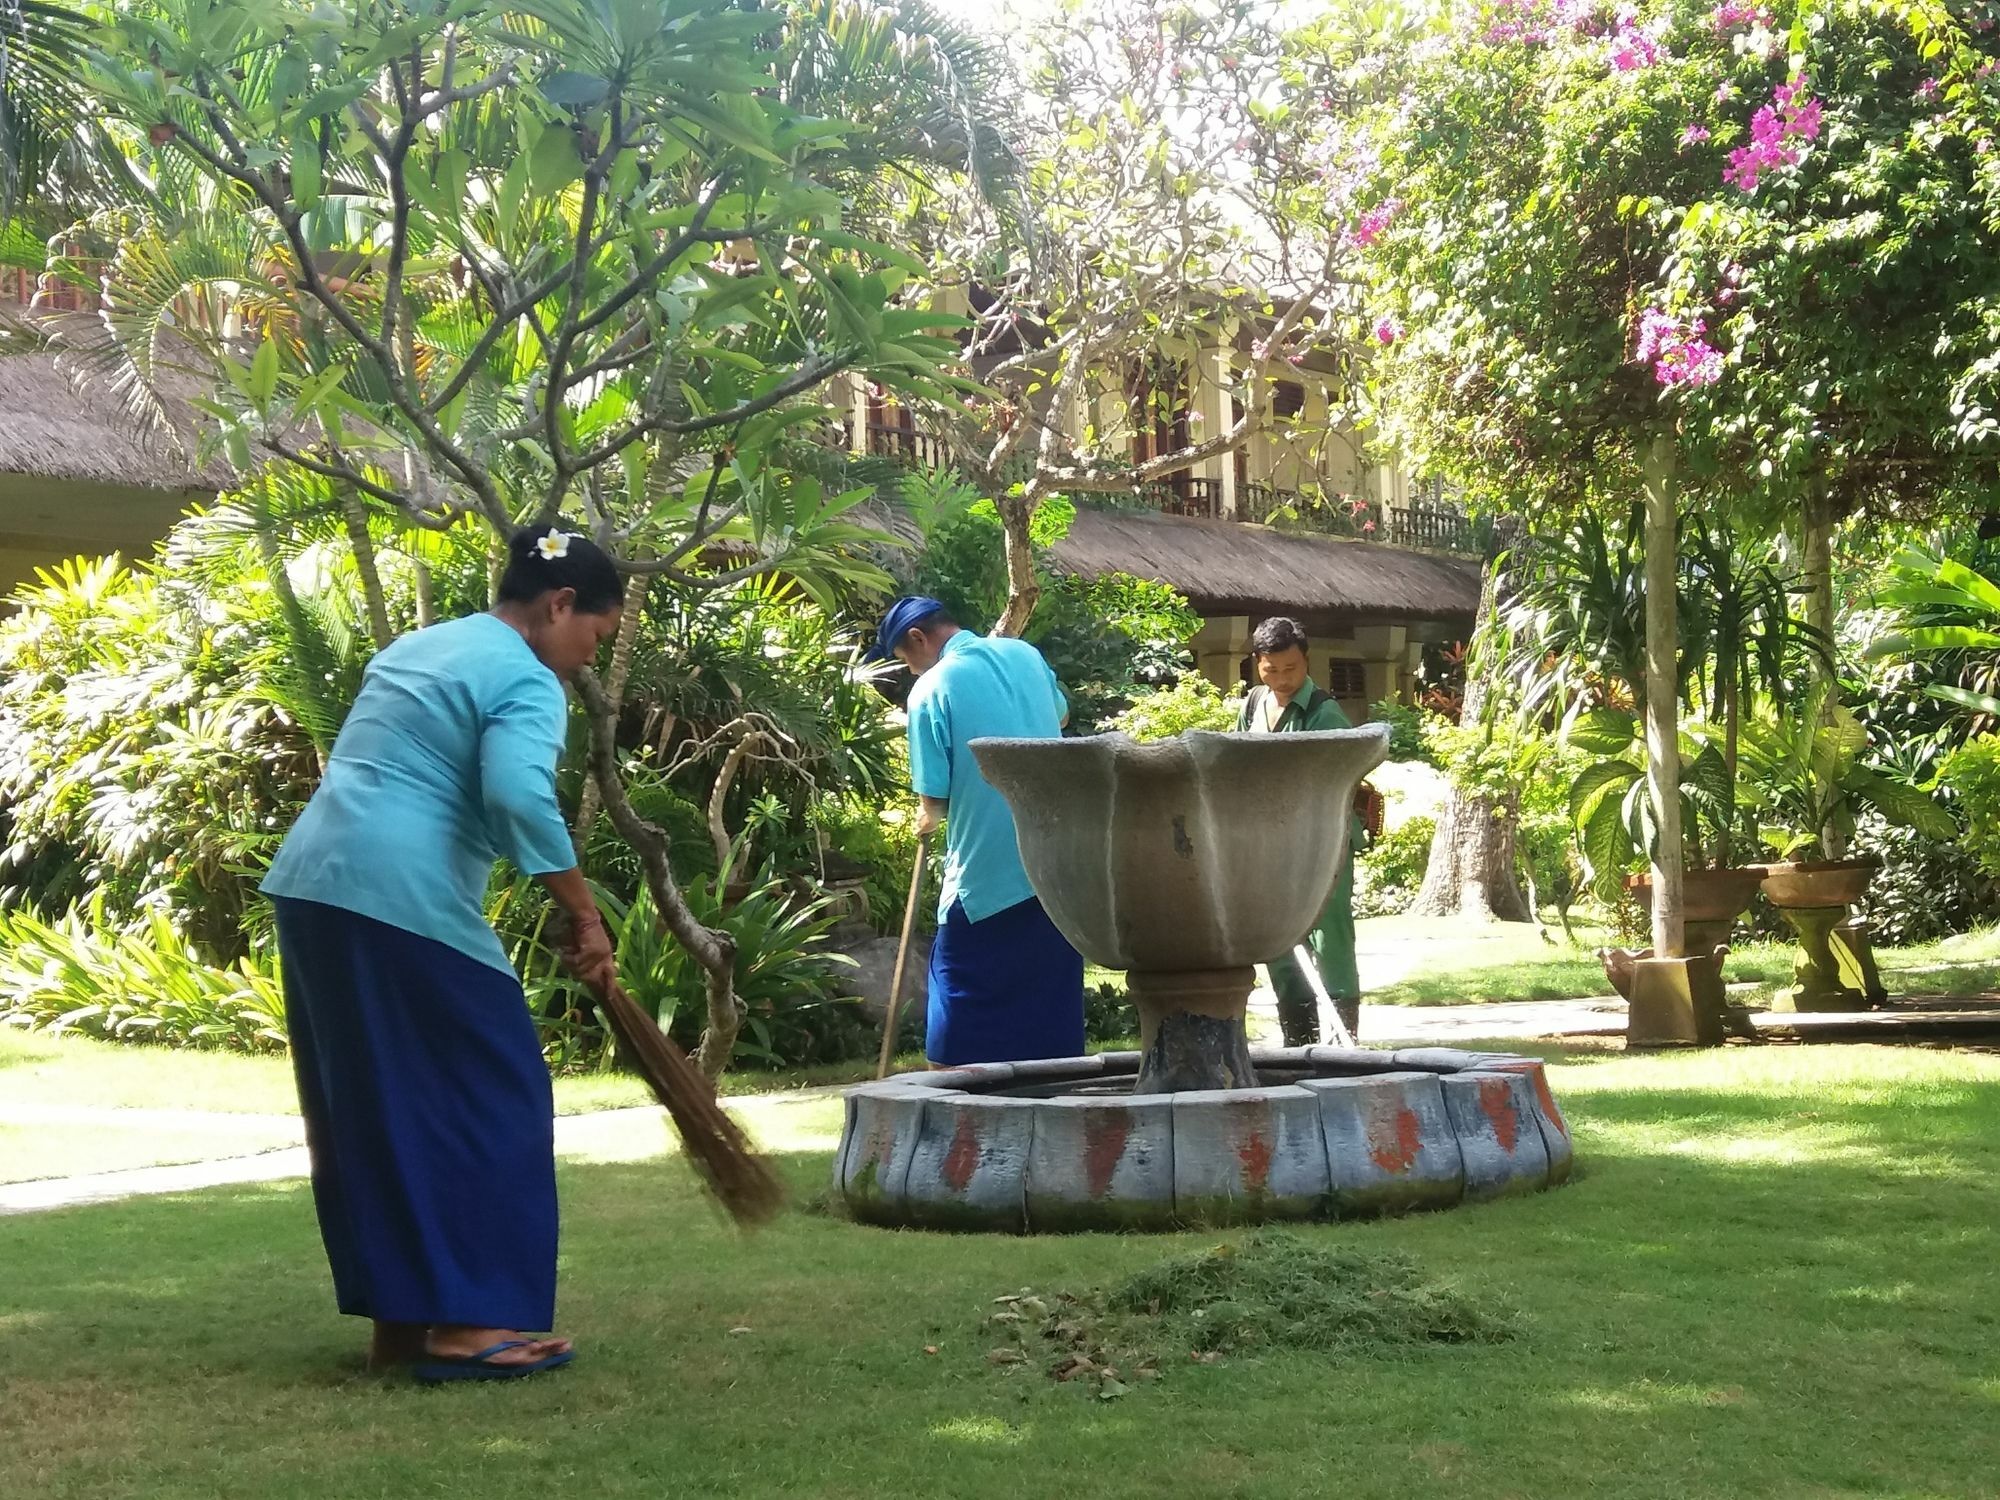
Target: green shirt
column 1309, row 712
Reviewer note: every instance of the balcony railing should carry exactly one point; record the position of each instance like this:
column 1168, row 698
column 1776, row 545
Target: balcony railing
column 1440, row 527
column 910, row 445
column 1185, row 495
column 1428, row 524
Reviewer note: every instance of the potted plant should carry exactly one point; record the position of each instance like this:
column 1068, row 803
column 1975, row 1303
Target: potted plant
column 1804, row 775
column 1614, row 824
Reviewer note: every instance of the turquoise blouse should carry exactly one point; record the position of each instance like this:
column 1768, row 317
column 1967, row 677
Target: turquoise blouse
column 447, row 763
column 981, row 687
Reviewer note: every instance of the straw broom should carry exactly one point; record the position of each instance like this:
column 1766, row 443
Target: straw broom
column 740, row 1178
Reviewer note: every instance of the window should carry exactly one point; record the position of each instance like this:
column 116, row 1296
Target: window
column 1288, row 399
column 1347, row 679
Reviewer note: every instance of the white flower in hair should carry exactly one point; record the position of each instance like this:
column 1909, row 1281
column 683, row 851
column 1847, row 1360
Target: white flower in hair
column 554, row 545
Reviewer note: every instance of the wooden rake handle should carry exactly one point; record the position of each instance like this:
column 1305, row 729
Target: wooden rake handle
column 889, row 1016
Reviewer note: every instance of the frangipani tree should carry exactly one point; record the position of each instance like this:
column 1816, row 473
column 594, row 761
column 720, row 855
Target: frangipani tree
column 1176, row 189
column 1696, row 250
column 585, row 259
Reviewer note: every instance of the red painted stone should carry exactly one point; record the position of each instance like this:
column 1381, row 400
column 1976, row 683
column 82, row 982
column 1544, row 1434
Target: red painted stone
column 1394, row 1139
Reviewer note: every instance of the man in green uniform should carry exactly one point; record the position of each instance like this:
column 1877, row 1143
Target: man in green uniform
column 1288, row 701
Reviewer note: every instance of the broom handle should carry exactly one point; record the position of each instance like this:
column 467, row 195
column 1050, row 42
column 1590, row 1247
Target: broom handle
column 902, row 959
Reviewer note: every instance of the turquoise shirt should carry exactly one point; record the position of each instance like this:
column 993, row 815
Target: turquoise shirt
column 981, row 688
column 447, row 763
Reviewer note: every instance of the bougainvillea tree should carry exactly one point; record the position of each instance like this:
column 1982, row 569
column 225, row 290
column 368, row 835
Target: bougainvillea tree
column 1717, row 253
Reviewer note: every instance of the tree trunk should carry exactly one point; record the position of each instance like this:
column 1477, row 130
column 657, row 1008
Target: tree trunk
column 1663, row 731
column 714, row 951
column 1024, row 589
column 1472, row 868
column 1732, row 733
column 354, row 510
column 591, row 801
column 1818, row 571
column 426, row 594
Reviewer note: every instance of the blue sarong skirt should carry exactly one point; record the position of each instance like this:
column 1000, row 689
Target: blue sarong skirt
column 429, row 1117
column 1006, row 989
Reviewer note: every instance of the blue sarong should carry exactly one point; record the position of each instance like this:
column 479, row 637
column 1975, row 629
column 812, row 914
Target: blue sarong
column 1006, row 989
column 429, row 1116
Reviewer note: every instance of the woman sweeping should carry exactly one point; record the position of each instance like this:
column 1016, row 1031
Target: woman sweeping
column 426, row 1101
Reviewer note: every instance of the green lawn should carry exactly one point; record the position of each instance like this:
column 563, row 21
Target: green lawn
column 1434, row 963
column 1775, row 1275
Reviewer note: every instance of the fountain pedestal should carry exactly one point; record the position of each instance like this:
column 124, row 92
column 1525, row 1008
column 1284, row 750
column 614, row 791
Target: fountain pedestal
column 1191, row 1033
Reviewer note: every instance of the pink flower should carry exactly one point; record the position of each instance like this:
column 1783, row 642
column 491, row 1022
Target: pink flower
column 1793, row 115
column 1368, row 228
column 1733, row 13
column 1694, row 135
column 1367, row 528
column 1677, row 351
column 1927, row 91
column 1387, row 331
column 1631, row 48
column 1261, row 350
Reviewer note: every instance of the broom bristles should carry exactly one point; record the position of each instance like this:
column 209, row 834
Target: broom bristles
column 740, row 1177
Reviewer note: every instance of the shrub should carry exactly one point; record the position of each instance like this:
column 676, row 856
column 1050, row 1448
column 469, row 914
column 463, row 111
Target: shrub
column 1407, row 739
column 1193, row 702
column 73, row 975
column 1927, row 888
column 1108, row 1013
column 786, row 978
column 1972, row 773
column 1389, row 874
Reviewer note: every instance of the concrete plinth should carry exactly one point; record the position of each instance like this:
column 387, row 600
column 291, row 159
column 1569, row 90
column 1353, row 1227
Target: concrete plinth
column 1816, row 972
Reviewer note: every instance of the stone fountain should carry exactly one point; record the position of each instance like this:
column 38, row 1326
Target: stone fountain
column 1185, row 863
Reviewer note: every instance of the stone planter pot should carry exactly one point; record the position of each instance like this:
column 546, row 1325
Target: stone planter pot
column 1184, row 862
column 1837, row 882
column 1711, row 901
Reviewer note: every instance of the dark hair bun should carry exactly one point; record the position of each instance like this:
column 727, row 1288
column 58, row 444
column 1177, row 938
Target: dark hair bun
column 548, row 555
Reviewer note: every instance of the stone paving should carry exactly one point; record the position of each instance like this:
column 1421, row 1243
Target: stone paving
column 633, row 1134
column 622, row 1134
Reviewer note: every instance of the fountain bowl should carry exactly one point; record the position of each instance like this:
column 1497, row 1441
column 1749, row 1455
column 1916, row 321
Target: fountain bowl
column 1201, row 853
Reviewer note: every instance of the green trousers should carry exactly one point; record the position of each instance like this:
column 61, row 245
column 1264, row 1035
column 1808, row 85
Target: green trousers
column 1332, row 945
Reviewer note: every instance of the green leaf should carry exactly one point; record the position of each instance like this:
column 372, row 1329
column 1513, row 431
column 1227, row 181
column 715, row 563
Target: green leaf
column 1607, row 848
column 1708, row 774
column 305, row 171
column 263, row 382
column 1901, row 803
column 573, row 90
column 1605, row 781
column 1603, row 731
column 1979, row 703
column 554, row 164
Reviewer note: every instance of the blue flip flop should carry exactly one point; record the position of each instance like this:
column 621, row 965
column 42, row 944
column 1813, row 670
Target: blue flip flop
column 477, row 1367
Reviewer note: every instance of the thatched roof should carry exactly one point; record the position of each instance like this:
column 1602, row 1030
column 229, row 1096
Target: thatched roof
column 1231, row 567
column 66, row 430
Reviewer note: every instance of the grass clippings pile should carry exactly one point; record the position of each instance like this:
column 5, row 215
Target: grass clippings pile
column 1269, row 1291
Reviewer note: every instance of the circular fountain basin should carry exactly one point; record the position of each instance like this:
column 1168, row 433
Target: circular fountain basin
column 1329, row 1133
